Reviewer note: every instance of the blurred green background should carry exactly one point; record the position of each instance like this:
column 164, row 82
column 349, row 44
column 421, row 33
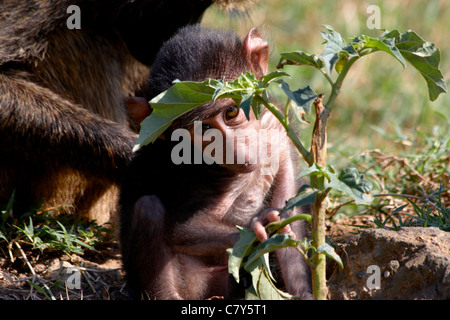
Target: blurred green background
column 381, row 104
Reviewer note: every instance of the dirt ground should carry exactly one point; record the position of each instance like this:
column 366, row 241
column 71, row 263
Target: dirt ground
column 48, row 276
column 408, row 264
column 100, row 274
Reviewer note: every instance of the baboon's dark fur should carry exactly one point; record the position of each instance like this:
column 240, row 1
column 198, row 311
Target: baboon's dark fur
column 64, row 129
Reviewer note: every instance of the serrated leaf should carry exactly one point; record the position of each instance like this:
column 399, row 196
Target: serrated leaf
column 302, row 98
column 244, row 91
column 328, row 250
column 246, row 103
column 351, row 183
column 352, row 178
column 234, row 89
column 184, row 96
column 257, row 105
column 257, row 263
column 334, row 45
column 384, row 44
column 423, row 56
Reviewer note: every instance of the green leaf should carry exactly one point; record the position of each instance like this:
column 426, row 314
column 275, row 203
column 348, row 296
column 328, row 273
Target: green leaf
column 305, row 195
column 273, row 76
column 328, row 250
column 274, row 227
column 83, row 244
column 5, row 214
column 301, row 58
column 351, row 183
column 314, row 169
column 49, row 295
column 246, row 103
column 328, row 27
column 169, row 105
column 241, row 250
column 352, row 178
column 425, row 58
column 29, row 230
column 263, row 288
column 2, row 236
column 244, row 91
column 253, row 256
column 340, row 63
column 267, row 289
column 307, row 245
column 257, row 105
column 252, row 293
column 275, row 242
column 384, row 44
column 184, row 96
column 302, row 98
column 334, row 45
column 234, row 89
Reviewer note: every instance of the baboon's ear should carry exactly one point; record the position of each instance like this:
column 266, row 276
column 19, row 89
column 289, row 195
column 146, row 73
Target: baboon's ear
column 139, row 108
column 256, row 50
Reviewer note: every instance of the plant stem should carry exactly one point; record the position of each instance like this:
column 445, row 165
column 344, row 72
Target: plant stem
column 319, row 155
column 290, row 132
column 325, row 74
column 336, row 86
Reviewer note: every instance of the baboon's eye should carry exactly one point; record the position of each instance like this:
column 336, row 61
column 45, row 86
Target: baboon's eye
column 231, row 112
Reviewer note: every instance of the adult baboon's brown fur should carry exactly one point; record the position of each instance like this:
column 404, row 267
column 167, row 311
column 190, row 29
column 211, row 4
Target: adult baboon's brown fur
column 65, row 133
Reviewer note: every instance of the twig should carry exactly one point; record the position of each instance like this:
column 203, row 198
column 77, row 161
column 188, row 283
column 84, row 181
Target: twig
column 425, row 198
column 404, row 161
column 25, row 258
column 85, row 275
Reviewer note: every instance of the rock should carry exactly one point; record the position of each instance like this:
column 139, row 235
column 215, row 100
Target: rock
column 413, row 263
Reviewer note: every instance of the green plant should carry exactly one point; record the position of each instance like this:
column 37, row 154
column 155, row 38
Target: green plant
column 410, row 189
column 47, row 230
column 251, row 95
